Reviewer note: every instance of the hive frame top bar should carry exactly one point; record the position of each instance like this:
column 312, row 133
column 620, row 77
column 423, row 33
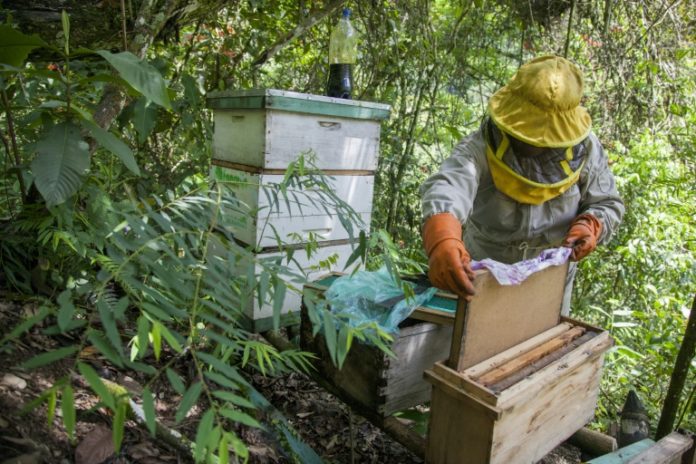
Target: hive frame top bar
column 297, row 102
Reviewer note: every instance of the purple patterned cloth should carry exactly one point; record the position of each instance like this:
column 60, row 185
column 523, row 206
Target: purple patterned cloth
column 514, row 274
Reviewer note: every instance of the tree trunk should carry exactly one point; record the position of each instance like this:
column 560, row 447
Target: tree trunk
column 679, row 374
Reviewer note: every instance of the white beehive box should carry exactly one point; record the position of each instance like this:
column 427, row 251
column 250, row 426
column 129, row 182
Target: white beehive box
column 257, row 135
column 260, row 216
column 270, row 128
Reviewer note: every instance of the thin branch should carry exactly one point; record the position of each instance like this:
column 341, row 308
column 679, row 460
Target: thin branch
column 570, row 26
column 123, row 25
column 301, row 28
column 13, row 141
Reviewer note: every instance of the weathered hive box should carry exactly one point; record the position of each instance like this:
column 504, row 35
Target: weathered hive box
column 257, row 135
column 268, row 128
column 369, row 379
column 519, row 379
column 263, row 219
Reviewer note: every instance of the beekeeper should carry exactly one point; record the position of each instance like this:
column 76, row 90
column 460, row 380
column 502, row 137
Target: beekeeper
column 533, row 176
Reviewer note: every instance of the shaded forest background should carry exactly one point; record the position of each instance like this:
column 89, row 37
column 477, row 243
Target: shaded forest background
column 104, row 246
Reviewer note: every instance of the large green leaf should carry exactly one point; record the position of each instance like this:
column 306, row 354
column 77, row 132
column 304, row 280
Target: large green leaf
column 144, row 118
column 62, row 159
column 115, row 145
column 141, row 75
column 15, row 46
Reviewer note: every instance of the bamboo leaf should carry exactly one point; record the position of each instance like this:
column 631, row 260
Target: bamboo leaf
column 156, row 339
column 49, row 357
column 104, row 347
column 149, row 410
column 232, row 398
column 61, row 161
column 67, row 403
column 143, row 330
column 278, row 299
column 205, row 427
column 51, row 403
column 141, row 75
column 187, row 402
column 119, row 424
column 330, row 334
column 97, row 385
column 176, row 381
column 66, row 310
column 240, row 417
column 223, row 450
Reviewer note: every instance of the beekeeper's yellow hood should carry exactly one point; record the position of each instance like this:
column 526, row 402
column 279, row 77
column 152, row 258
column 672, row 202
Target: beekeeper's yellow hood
column 541, row 104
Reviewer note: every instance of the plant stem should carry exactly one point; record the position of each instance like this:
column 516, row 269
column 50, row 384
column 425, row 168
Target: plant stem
column 123, row 25
column 679, row 374
column 13, row 141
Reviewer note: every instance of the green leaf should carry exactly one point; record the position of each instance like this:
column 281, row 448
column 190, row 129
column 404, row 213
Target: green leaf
column 15, row 46
column 107, row 319
column 176, row 381
column 119, row 424
column 187, row 402
column 342, row 346
column 115, row 145
column 330, row 334
column 65, row 19
column 149, row 410
column 144, row 119
column 104, row 347
column 67, row 404
column 156, row 339
column 51, row 403
column 141, row 75
column 223, row 450
column 232, row 398
column 241, row 417
column 143, row 330
column 278, row 298
column 205, row 426
column 97, row 385
column 49, row 357
column 66, row 310
column 61, row 161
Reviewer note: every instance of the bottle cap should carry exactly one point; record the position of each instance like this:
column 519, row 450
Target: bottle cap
column 346, row 12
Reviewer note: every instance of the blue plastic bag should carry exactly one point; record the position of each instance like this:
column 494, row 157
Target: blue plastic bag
column 359, row 296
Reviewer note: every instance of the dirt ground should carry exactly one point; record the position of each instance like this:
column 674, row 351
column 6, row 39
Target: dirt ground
column 323, row 422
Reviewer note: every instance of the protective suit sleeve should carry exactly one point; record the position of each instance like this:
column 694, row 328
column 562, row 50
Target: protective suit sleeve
column 599, row 196
column 453, row 188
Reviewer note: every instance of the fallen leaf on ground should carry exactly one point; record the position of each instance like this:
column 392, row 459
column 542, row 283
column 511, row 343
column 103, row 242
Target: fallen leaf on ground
column 95, row 447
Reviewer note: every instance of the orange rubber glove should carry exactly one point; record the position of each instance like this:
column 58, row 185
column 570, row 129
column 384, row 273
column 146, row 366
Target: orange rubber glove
column 582, row 236
column 448, row 259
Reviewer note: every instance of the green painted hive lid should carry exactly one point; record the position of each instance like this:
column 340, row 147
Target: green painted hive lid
column 297, row 103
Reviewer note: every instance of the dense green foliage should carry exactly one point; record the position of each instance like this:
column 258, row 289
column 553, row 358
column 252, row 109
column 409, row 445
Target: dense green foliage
column 112, row 226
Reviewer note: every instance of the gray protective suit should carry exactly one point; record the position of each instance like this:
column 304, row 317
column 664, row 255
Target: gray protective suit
column 498, row 227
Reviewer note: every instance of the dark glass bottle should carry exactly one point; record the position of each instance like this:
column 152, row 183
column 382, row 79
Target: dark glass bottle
column 343, row 51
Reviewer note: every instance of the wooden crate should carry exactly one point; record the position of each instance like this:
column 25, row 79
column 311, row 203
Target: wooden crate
column 259, row 218
column 519, row 404
column 269, row 128
column 372, row 381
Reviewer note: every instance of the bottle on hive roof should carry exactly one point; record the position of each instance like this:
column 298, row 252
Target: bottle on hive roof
column 343, row 52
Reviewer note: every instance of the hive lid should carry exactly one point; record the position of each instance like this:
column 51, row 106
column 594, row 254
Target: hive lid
column 501, row 316
column 298, row 103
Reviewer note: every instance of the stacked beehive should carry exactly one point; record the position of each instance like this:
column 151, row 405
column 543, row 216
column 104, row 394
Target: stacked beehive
column 257, row 134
